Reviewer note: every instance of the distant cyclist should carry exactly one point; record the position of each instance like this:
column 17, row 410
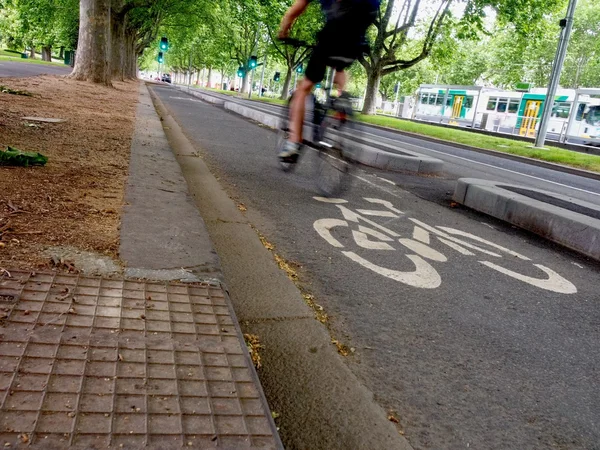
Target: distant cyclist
column 340, row 43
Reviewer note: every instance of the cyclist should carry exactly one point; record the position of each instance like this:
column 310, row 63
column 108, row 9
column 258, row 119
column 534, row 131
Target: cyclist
column 339, row 44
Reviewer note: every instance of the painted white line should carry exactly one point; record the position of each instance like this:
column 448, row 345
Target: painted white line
column 489, row 165
column 554, row 282
column 424, row 276
column 387, row 181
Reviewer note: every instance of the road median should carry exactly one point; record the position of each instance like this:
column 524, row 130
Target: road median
column 572, row 223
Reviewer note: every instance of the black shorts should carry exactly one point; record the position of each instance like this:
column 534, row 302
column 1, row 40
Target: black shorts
column 340, row 42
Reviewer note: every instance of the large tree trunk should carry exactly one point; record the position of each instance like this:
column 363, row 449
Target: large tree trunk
column 286, row 84
column 93, row 51
column 198, row 78
column 373, row 79
column 47, row 53
column 61, row 54
column 245, row 83
column 32, row 53
column 209, row 77
column 130, row 58
column 117, row 48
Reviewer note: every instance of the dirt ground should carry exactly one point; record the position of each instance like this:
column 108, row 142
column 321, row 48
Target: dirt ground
column 76, row 198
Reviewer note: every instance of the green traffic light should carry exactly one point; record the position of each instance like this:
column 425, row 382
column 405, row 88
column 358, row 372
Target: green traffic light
column 299, row 68
column 160, row 58
column 252, row 62
column 164, row 43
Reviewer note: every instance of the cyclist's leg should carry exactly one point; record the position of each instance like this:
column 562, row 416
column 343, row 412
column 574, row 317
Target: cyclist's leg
column 340, row 79
column 297, row 109
column 315, row 72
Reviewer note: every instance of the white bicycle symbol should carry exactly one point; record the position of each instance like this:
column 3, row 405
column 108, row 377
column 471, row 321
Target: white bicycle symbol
column 370, row 235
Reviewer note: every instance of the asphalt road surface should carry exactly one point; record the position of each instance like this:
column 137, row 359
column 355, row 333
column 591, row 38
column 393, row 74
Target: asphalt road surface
column 474, row 333
column 466, row 163
column 25, row 69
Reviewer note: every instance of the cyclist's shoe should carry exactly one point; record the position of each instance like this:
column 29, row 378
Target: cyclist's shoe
column 290, row 152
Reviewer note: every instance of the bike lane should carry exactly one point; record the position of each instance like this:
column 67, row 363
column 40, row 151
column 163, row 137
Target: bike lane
column 472, row 332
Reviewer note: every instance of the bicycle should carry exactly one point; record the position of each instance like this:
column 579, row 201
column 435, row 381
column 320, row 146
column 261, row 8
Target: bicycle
column 331, row 133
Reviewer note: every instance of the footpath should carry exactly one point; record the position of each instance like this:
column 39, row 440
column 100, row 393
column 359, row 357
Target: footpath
column 152, row 355
column 151, row 358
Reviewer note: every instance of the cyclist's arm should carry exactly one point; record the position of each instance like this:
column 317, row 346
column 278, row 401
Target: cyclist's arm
column 290, row 16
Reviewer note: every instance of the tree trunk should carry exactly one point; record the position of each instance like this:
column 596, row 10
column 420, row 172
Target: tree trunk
column 209, row 77
column 32, row 53
column 93, row 51
column 197, row 78
column 286, row 84
column 47, row 53
column 130, row 57
column 61, row 54
column 117, row 48
column 373, row 79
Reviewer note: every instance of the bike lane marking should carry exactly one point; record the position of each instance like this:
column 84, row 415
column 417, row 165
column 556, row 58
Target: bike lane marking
column 425, row 275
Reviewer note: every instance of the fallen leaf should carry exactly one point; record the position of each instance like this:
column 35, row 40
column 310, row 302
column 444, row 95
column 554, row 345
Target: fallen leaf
column 453, row 204
column 391, row 418
column 242, row 208
column 275, row 415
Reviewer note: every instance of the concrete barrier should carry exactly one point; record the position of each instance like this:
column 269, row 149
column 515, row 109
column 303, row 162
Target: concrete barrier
column 575, row 230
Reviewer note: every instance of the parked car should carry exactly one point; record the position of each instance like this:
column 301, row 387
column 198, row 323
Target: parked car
column 166, row 78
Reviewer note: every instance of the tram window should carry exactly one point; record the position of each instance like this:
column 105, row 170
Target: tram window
column 449, row 101
column 593, row 116
column 432, row 99
column 491, row 106
column 502, row 105
column 580, row 111
column 439, row 100
column 513, row 106
column 561, row 110
column 424, row 98
column 468, row 102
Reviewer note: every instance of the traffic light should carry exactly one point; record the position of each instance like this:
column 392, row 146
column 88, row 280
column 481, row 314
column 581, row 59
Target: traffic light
column 164, row 44
column 252, row 62
column 299, row 68
column 161, row 58
column 277, row 76
column 240, row 72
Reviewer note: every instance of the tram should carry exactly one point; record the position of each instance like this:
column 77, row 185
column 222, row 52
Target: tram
column 575, row 114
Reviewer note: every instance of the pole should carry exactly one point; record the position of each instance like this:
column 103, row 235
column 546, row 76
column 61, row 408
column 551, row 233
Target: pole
column 262, row 77
column 251, row 80
column 295, row 78
column 190, row 69
column 565, row 34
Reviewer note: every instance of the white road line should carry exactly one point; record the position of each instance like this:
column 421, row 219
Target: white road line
column 387, row 181
column 490, row 165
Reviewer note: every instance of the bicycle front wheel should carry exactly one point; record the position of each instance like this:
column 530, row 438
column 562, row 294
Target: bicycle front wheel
column 335, row 157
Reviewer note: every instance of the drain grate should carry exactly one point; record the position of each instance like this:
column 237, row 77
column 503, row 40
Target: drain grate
column 97, row 363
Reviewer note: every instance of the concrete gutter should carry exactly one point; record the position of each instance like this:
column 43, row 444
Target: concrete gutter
column 386, row 158
column 572, row 229
column 321, row 402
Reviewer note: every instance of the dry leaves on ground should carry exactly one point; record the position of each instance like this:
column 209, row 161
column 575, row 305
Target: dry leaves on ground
column 77, row 197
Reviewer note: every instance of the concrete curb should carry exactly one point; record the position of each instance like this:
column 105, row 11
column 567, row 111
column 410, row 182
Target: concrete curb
column 322, row 403
column 576, row 231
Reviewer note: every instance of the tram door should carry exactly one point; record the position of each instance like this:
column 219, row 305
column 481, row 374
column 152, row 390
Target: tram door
column 532, row 109
column 457, row 106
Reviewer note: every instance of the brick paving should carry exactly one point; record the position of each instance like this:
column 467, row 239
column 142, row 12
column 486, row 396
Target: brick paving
column 90, row 362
